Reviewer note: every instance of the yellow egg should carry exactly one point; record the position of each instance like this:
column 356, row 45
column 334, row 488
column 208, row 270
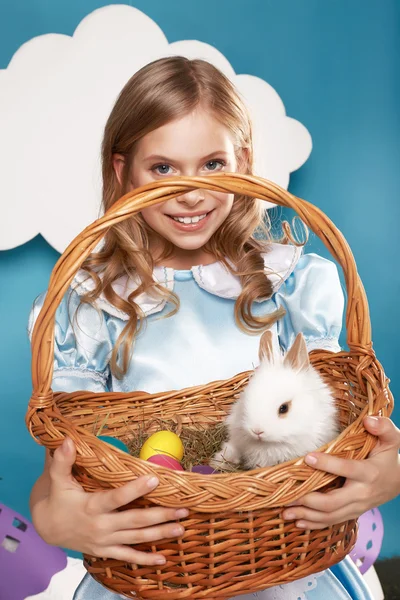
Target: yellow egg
column 162, row 442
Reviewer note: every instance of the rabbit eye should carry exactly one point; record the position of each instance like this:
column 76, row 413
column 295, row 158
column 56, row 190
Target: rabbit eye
column 284, row 408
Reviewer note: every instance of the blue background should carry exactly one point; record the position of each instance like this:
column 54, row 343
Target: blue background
column 336, row 65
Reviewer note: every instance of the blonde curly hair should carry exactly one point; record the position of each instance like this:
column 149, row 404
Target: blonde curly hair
column 161, row 92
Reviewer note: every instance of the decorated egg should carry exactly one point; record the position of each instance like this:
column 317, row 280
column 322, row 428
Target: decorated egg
column 162, row 442
column 203, row 469
column 114, row 442
column 166, row 461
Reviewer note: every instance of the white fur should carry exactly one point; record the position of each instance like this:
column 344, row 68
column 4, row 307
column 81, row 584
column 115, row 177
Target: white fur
column 311, row 422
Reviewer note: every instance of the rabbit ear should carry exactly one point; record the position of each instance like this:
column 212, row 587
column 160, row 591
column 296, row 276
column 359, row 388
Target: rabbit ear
column 266, row 349
column 297, row 357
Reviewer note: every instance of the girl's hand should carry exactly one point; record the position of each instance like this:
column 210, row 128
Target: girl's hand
column 369, row 483
column 90, row 523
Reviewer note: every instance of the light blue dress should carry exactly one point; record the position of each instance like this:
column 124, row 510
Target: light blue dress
column 199, row 344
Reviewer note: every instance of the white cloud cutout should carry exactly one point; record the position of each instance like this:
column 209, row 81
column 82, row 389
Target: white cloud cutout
column 55, row 97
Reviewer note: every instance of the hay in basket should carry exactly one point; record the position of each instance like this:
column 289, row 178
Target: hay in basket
column 235, row 541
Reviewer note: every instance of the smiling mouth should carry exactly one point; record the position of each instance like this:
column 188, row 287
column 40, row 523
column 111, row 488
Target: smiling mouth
column 190, row 220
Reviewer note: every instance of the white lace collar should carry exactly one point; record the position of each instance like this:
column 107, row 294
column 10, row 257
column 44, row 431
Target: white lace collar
column 279, row 262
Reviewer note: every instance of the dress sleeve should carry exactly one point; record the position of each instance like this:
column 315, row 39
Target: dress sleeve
column 313, row 299
column 82, row 345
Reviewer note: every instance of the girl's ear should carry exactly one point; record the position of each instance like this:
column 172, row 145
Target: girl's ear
column 118, row 163
column 242, row 160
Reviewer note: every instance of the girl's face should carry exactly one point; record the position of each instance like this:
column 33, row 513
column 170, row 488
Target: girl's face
column 195, row 145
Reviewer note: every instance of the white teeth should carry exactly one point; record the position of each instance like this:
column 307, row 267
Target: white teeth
column 188, row 220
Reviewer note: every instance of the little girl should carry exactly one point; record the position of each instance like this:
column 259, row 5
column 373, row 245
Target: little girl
column 178, row 296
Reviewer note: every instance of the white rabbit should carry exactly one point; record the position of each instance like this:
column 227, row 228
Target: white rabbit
column 285, row 411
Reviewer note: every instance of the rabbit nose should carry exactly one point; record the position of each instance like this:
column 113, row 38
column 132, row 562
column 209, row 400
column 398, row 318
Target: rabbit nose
column 257, row 431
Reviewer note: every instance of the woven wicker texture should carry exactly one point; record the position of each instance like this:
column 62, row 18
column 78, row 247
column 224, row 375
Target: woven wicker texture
column 235, row 541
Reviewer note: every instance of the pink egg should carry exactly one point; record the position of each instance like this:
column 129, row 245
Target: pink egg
column 166, row 461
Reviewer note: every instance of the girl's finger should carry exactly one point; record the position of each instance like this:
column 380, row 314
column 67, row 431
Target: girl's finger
column 60, row 466
column 329, row 502
column 138, row 518
column 148, row 534
column 312, row 525
column 385, row 430
column 308, row 518
column 105, row 502
column 129, row 555
column 358, row 470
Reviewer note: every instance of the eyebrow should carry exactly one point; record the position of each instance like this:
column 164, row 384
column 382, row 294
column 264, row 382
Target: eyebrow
column 165, row 159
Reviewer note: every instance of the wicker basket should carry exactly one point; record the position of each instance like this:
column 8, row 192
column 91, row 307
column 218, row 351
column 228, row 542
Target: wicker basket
column 235, row 540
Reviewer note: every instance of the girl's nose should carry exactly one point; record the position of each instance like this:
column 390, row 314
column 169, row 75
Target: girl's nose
column 192, row 198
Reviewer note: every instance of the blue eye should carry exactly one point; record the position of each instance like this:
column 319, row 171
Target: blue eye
column 161, row 169
column 214, row 165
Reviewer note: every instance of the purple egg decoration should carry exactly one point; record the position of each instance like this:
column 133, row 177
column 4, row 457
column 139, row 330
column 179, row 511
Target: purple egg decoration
column 369, row 540
column 27, row 563
column 203, row 470
column 166, row 461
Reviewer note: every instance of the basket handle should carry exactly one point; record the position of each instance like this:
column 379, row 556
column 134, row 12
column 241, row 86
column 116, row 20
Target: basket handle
column 358, row 325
